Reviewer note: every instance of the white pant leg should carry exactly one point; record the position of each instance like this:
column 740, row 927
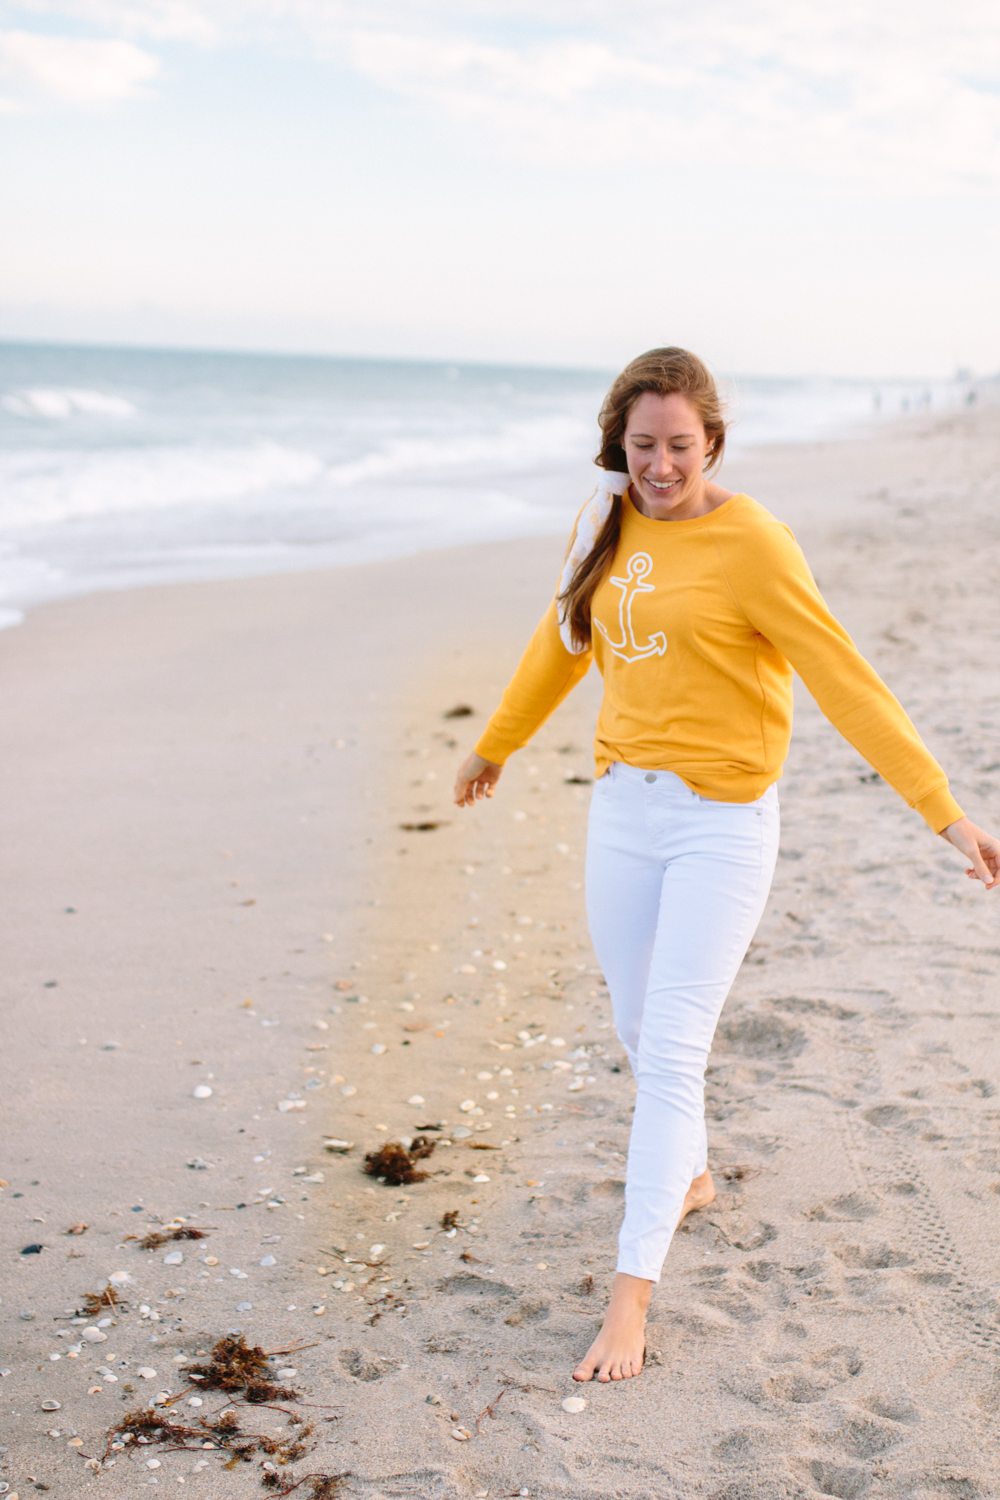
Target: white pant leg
column 624, row 883
column 676, row 886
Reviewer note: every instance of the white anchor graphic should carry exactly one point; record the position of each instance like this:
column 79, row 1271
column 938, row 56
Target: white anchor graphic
column 639, row 566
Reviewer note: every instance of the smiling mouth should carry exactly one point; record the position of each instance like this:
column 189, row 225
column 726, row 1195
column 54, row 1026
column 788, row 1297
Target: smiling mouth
column 662, row 487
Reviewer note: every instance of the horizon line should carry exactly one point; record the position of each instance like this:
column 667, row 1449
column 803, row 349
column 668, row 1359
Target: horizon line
column 960, row 376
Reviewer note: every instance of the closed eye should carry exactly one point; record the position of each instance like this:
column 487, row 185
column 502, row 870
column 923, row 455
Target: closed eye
column 681, row 447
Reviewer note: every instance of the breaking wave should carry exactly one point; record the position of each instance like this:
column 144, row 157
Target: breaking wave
column 54, row 404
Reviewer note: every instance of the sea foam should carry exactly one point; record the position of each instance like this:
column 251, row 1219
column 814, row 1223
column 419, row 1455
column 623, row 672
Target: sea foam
column 41, row 487
column 55, row 405
column 122, row 467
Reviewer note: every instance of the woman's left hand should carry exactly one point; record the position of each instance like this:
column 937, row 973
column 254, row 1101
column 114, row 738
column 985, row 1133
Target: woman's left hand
column 982, row 848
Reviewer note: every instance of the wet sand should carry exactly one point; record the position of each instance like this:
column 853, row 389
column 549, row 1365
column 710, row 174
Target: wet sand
column 214, row 779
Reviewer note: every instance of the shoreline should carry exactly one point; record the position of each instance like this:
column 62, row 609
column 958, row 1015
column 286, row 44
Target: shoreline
column 830, row 1320
column 373, row 548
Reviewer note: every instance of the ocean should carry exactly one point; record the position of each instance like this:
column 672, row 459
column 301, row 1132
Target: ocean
column 124, row 467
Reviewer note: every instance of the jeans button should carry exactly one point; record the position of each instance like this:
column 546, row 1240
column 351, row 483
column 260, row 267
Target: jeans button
column 650, row 777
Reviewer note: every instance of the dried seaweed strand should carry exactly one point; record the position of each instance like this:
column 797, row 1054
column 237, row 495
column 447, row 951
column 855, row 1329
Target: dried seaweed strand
column 489, row 1411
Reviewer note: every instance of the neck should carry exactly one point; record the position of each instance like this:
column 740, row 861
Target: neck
column 697, row 502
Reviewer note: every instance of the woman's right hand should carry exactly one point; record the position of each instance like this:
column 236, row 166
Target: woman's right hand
column 476, row 779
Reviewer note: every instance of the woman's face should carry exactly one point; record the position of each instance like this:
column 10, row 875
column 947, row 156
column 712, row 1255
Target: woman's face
column 666, row 449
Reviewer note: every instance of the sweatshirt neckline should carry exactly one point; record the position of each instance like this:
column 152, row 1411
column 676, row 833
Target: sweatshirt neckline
column 670, row 528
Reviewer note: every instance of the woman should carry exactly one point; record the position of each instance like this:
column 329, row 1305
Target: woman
column 696, row 605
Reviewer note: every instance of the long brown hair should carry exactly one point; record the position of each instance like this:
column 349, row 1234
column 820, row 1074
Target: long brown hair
column 665, row 372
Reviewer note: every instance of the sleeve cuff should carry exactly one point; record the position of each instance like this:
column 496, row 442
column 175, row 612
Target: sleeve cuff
column 496, row 750
column 938, row 808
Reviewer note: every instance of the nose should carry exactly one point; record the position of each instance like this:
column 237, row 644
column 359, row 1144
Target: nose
column 660, row 464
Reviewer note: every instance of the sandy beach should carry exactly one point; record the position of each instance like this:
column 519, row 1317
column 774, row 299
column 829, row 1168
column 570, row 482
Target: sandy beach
column 231, row 863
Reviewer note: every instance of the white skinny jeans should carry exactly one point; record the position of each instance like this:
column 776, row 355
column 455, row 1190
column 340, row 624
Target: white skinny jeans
column 676, row 885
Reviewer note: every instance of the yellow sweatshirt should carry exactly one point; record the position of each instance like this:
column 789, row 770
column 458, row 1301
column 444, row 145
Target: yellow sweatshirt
column 697, row 628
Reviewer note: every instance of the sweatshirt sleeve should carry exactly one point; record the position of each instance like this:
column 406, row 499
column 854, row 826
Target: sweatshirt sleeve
column 546, row 674
column 772, row 585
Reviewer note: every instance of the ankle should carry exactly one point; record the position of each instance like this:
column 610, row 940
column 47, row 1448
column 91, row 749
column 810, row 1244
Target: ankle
column 633, row 1292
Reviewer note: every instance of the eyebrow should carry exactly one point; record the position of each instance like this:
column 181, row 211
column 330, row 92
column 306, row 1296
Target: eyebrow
column 672, row 438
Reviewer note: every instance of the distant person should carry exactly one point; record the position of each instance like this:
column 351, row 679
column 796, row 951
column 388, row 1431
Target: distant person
column 697, row 605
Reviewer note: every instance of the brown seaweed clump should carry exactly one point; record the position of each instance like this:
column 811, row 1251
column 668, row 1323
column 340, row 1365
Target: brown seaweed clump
column 237, row 1366
column 234, row 1367
column 156, row 1430
column 155, row 1427
column 157, row 1238
column 740, row 1173
column 450, row 1217
column 321, row 1486
column 98, row 1302
column 394, row 1165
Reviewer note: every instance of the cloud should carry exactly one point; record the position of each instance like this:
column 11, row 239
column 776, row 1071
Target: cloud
column 74, row 70
column 892, row 91
column 880, row 92
column 163, row 20
column 471, row 78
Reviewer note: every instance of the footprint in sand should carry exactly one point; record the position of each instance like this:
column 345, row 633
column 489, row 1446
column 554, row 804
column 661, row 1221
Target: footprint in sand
column 835, row 1479
column 528, row 1312
column 871, row 1257
column 362, row 1365
column 849, row 1208
column 895, row 1408
column 801, row 1383
column 761, row 1036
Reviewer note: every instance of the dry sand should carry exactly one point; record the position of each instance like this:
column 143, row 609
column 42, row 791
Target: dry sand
column 201, row 837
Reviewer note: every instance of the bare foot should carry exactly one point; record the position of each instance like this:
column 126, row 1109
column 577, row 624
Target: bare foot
column 618, row 1350
column 699, row 1195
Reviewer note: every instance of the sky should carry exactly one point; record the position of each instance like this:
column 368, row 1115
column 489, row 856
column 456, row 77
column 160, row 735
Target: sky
column 786, row 186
